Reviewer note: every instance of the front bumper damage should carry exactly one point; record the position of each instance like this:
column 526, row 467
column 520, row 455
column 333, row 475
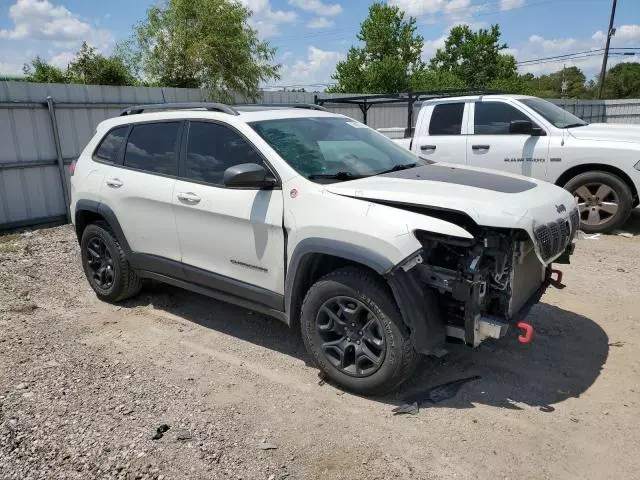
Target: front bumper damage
column 430, row 324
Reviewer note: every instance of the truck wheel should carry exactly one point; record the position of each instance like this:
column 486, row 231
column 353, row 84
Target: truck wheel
column 105, row 266
column 604, row 200
column 352, row 328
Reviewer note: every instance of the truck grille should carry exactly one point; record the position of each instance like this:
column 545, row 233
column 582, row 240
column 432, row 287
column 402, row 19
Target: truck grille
column 554, row 237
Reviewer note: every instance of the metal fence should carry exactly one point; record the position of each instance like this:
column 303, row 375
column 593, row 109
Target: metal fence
column 43, row 127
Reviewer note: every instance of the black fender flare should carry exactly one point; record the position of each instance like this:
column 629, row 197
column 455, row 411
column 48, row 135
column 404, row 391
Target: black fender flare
column 109, row 216
column 336, row 248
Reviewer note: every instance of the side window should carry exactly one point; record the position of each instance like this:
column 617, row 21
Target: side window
column 152, row 147
column 109, row 148
column 493, row 118
column 212, row 148
column 446, row 119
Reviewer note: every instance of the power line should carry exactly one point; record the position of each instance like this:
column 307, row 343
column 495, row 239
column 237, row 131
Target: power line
column 583, row 54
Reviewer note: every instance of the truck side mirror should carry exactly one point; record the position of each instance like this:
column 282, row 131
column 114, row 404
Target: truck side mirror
column 525, row 127
column 522, row 127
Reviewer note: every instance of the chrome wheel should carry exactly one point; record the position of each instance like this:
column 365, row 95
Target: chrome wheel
column 352, row 337
column 597, row 203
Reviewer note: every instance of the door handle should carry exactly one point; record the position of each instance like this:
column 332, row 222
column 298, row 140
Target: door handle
column 189, row 197
column 427, row 147
column 481, row 147
column 114, row 183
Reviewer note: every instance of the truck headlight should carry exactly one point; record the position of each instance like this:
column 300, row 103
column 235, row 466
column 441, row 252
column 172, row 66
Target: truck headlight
column 637, row 166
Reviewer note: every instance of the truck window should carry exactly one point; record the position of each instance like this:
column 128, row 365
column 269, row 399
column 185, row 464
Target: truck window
column 446, row 119
column 493, row 118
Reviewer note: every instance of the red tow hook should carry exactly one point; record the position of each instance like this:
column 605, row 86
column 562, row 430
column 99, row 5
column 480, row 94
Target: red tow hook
column 527, row 333
column 558, row 274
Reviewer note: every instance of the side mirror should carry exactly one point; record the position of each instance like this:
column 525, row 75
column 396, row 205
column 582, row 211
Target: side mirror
column 248, row 175
column 526, row 127
column 523, row 127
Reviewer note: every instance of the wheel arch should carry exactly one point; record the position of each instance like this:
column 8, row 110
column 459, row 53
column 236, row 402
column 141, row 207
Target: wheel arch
column 90, row 211
column 315, row 257
column 592, row 167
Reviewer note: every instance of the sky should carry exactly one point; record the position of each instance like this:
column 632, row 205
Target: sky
column 312, row 35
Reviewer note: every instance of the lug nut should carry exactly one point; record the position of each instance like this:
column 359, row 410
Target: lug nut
column 348, row 339
column 353, row 324
column 358, row 342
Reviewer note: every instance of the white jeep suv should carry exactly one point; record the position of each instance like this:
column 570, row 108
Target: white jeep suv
column 313, row 218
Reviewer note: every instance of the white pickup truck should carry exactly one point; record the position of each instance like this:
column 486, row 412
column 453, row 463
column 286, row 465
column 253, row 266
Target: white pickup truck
column 598, row 163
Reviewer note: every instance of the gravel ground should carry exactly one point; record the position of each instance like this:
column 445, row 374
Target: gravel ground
column 84, row 385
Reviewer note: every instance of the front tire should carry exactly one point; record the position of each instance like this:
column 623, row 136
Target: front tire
column 604, row 201
column 354, row 331
column 105, row 265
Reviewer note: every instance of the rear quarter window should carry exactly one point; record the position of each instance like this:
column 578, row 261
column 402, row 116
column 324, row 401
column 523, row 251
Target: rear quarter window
column 153, row 147
column 111, row 144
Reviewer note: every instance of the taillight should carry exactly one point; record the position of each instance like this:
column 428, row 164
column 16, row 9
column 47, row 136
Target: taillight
column 72, row 168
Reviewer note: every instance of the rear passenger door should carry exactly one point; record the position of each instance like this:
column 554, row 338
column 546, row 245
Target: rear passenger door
column 139, row 187
column 231, row 238
column 442, row 138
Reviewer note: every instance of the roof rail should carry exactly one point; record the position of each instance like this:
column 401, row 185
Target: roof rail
column 212, row 107
column 267, row 106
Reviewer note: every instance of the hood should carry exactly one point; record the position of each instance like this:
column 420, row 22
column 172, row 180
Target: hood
column 490, row 198
column 607, row 131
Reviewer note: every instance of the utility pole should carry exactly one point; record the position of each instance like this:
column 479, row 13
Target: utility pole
column 610, row 33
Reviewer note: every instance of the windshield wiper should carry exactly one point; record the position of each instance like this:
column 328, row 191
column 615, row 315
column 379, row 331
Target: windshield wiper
column 572, row 125
column 334, row 176
column 397, row 168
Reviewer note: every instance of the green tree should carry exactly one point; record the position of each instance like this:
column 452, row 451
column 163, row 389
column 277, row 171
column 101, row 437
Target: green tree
column 390, row 56
column 39, row 71
column 427, row 79
column 623, row 81
column 550, row 86
column 92, row 68
column 475, row 57
column 201, row 43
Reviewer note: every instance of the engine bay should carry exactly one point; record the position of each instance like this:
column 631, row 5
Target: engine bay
column 482, row 283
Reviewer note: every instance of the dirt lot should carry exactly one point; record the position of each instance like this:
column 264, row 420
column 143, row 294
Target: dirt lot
column 84, row 385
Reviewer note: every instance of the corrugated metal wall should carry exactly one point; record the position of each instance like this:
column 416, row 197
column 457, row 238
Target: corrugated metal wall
column 31, row 190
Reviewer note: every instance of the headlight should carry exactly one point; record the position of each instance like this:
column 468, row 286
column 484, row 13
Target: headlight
column 637, row 166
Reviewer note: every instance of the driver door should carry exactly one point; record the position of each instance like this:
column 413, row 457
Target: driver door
column 491, row 145
column 231, row 238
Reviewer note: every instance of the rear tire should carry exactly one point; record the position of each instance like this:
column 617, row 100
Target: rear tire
column 604, row 200
column 106, row 266
column 351, row 311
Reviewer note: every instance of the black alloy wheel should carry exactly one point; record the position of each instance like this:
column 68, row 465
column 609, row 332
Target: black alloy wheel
column 100, row 263
column 352, row 337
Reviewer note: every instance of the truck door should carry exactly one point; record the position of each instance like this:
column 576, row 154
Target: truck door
column 439, row 136
column 491, row 143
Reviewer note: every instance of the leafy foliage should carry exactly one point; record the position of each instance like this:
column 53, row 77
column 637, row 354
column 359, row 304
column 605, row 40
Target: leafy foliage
column 474, row 56
column 87, row 67
column 390, row 57
column 623, row 81
column 39, row 71
column 93, row 68
column 201, row 43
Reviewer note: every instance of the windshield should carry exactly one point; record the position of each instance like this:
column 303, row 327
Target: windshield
column 332, row 148
column 559, row 117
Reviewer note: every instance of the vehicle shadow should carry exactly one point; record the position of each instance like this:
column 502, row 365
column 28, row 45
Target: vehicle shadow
column 564, row 359
column 633, row 224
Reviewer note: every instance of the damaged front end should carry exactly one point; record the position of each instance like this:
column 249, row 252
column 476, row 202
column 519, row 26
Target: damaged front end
column 469, row 289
